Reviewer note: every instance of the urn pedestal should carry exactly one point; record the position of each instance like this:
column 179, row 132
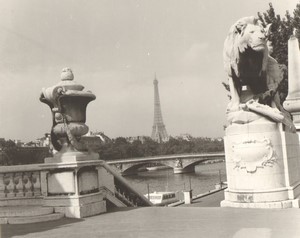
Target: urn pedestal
column 74, row 171
column 262, row 165
column 75, row 189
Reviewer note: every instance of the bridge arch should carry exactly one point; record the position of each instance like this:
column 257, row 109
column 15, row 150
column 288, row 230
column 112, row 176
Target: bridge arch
column 130, row 169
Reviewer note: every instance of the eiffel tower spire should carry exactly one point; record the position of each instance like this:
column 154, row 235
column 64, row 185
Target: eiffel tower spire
column 159, row 132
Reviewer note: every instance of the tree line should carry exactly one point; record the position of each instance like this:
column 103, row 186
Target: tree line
column 11, row 154
column 120, row 148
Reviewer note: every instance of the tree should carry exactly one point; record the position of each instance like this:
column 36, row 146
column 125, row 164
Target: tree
column 296, row 20
column 8, row 151
column 280, row 31
column 150, row 147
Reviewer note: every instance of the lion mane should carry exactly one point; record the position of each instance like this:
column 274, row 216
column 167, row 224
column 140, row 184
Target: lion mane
column 248, row 63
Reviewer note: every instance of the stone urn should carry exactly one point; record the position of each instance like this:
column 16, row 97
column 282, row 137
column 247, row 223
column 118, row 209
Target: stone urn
column 68, row 101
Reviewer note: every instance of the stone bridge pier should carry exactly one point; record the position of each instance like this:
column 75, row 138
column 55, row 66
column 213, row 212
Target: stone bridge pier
column 181, row 167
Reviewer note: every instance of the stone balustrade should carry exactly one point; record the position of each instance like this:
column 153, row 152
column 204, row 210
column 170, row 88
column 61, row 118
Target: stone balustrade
column 66, row 186
column 22, row 181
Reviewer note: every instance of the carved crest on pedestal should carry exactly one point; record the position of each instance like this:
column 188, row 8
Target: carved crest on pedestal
column 253, row 154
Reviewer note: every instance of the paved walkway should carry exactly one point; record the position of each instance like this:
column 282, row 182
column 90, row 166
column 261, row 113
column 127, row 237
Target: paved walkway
column 200, row 219
column 172, row 222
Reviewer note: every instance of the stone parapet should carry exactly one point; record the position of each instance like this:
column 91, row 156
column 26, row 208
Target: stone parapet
column 77, row 189
column 20, row 184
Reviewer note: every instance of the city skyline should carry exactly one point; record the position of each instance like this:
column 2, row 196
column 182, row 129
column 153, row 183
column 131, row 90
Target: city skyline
column 114, row 48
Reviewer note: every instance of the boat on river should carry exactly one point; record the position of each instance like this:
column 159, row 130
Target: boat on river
column 162, row 198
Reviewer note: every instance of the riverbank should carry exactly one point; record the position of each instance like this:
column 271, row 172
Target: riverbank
column 217, row 193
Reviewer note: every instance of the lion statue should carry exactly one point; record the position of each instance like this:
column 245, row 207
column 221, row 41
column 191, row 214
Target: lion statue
column 253, row 75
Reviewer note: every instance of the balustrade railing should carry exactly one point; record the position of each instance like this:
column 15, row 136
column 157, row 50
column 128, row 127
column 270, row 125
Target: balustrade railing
column 30, row 181
column 20, row 181
column 125, row 192
column 125, row 199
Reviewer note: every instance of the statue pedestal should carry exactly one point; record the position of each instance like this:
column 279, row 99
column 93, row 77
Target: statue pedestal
column 262, row 165
column 71, row 157
column 75, row 188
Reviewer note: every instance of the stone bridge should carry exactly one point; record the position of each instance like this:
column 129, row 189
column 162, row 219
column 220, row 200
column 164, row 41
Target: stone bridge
column 180, row 163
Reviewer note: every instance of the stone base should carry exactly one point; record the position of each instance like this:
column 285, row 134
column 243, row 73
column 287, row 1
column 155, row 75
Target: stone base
column 75, row 188
column 78, row 206
column 70, row 157
column 262, row 166
column 282, row 204
column 83, row 211
column 34, row 201
column 276, row 198
column 266, row 195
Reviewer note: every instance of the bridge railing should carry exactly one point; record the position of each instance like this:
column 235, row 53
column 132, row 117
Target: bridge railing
column 21, row 181
column 125, row 191
column 27, row 185
column 165, row 157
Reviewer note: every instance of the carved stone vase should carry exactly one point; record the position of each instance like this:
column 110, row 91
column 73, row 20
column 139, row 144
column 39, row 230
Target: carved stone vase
column 68, row 102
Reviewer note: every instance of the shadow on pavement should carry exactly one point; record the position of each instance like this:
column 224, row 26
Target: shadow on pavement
column 120, row 209
column 12, row 230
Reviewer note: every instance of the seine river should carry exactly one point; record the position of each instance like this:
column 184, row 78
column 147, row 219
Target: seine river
column 203, row 180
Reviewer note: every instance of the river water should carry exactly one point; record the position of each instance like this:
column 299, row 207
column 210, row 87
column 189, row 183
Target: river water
column 203, row 180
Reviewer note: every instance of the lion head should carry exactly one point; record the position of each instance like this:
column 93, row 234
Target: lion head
column 246, row 33
column 252, row 36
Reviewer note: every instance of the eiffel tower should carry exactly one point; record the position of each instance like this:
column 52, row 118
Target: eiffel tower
column 159, row 132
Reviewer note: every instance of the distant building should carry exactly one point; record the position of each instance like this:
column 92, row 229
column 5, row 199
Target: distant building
column 44, row 141
column 186, row 137
column 104, row 138
column 131, row 139
column 18, row 142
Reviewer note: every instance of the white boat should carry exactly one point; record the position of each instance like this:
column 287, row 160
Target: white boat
column 162, row 198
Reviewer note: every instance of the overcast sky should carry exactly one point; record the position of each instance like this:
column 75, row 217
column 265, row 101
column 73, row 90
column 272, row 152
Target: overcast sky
column 115, row 48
